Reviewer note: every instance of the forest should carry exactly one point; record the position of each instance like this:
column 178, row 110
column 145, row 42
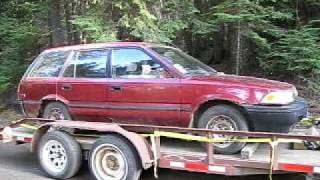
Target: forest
column 276, row 39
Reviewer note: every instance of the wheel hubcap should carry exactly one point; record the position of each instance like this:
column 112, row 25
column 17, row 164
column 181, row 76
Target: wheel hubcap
column 54, row 156
column 222, row 123
column 109, row 163
column 56, row 114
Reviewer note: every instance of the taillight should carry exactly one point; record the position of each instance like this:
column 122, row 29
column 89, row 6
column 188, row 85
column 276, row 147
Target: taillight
column 18, row 91
column 20, row 94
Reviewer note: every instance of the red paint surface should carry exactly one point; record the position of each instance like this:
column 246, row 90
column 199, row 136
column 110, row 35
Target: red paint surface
column 296, row 168
column 197, row 166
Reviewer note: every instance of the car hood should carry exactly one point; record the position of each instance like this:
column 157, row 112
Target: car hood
column 245, row 81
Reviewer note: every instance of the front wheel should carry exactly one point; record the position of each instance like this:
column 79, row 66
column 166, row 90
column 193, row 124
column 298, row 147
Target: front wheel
column 225, row 118
column 114, row 158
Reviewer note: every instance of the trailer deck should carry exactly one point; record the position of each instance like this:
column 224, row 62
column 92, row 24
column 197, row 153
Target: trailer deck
column 288, row 159
column 189, row 155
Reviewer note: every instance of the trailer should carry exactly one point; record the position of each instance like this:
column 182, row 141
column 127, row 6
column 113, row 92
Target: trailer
column 122, row 151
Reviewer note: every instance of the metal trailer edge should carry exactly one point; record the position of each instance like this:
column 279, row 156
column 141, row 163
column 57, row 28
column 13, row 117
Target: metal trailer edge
column 179, row 154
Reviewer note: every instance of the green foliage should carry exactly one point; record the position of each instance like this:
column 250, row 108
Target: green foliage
column 297, row 52
column 18, row 40
column 152, row 20
column 139, row 20
column 260, row 18
column 177, row 16
column 98, row 29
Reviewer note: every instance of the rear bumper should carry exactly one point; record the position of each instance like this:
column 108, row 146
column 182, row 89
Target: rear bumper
column 277, row 118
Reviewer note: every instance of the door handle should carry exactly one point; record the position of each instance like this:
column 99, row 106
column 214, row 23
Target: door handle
column 66, row 87
column 115, row 88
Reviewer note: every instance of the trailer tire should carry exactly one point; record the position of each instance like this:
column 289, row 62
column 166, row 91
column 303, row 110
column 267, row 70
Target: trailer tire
column 59, row 154
column 229, row 116
column 114, row 157
column 56, row 111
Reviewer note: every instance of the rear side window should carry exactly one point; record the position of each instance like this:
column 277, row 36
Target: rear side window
column 88, row 64
column 49, row 65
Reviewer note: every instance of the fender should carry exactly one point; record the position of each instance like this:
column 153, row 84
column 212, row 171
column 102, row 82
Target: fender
column 213, row 97
column 216, row 97
column 139, row 142
column 37, row 136
column 34, row 107
column 55, row 97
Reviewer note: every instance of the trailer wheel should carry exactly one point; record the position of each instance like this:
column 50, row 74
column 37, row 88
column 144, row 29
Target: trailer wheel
column 224, row 117
column 114, row 158
column 59, row 154
column 56, row 111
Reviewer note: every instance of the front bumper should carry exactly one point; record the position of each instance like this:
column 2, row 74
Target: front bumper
column 277, row 118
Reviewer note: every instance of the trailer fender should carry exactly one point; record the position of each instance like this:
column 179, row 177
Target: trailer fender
column 141, row 145
column 37, row 136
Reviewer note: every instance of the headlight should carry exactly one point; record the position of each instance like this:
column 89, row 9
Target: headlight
column 279, row 97
column 295, row 92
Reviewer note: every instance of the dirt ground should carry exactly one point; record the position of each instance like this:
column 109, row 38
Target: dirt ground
column 8, row 115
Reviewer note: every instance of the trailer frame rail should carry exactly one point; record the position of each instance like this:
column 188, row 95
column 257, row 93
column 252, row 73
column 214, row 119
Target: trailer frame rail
column 200, row 161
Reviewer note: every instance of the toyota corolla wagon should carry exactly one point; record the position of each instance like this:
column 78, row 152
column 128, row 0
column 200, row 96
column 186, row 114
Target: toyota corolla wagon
column 145, row 83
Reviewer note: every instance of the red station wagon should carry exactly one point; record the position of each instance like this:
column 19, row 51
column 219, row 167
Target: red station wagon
column 145, row 83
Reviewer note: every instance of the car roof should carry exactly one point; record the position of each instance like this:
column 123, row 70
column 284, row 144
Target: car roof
column 103, row 45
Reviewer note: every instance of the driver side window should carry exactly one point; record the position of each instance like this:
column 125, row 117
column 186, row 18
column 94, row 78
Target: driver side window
column 134, row 63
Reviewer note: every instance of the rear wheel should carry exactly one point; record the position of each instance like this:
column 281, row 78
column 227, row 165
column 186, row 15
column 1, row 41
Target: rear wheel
column 114, row 158
column 56, row 111
column 226, row 118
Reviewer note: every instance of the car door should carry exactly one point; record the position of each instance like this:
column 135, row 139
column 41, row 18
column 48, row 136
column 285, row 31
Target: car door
column 83, row 84
column 141, row 90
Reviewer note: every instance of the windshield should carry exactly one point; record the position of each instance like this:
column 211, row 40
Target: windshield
column 184, row 63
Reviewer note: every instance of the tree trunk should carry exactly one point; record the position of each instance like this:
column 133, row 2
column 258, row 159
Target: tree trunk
column 55, row 20
column 217, row 49
column 68, row 23
column 235, row 62
column 75, row 11
column 242, row 50
column 238, row 49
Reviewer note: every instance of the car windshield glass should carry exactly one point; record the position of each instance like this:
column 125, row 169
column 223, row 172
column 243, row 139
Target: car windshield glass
column 184, row 63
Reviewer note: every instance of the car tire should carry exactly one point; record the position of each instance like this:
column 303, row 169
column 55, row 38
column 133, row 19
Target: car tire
column 122, row 155
column 56, row 111
column 224, row 117
column 59, row 154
